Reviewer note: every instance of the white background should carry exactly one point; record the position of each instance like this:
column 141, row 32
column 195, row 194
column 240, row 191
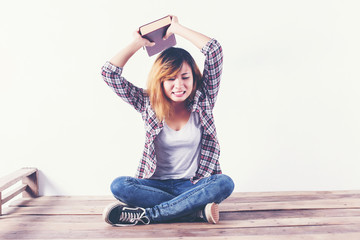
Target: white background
column 287, row 116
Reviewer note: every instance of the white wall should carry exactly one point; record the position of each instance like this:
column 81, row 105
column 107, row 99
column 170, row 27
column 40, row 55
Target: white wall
column 288, row 115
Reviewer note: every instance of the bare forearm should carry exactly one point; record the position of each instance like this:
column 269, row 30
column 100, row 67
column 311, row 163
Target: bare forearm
column 198, row 39
column 121, row 58
column 126, row 53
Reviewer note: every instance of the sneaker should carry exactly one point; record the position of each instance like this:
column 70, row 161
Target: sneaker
column 118, row 214
column 211, row 213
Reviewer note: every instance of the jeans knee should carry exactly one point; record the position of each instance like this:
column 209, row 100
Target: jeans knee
column 118, row 185
column 226, row 183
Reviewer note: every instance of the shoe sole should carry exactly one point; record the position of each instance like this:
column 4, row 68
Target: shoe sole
column 108, row 210
column 212, row 213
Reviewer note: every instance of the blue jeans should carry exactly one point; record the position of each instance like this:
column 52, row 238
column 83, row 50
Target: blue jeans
column 168, row 200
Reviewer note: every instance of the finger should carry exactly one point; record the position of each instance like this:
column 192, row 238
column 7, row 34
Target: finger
column 174, row 18
column 167, row 35
column 149, row 44
column 137, row 32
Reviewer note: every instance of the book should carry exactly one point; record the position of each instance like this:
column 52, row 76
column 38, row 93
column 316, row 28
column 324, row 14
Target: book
column 155, row 32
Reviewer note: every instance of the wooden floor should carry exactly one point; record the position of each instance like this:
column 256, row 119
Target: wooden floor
column 253, row 216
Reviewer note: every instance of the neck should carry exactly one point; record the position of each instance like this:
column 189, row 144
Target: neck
column 179, row 107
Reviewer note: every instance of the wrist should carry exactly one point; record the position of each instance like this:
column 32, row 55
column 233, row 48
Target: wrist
column 177, row 28
column 135, row 45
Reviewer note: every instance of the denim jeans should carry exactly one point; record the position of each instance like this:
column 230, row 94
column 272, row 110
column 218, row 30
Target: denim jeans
column 168, row 200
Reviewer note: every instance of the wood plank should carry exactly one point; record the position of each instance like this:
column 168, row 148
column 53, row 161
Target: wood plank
column 156, row 232
column 293, row 193
column 61, row 201
column 10, row 195
column 247, row 215
column 68, row 207
column 307, row 204
column 295, row 197
column 251, row 223
column 243, row 215
column 333, row 236
column 60, row 210
column 236, row 197
column 14, row 177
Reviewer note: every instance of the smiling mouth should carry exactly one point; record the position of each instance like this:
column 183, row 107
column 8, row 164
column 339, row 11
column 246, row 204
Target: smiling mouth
column 178, row 94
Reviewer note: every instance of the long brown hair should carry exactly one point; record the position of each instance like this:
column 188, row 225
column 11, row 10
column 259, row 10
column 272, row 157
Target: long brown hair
column 166, row 66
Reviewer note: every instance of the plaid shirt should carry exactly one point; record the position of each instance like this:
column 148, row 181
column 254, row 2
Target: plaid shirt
column 202, row 103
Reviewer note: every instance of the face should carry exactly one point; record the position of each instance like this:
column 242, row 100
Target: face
column 179, row 87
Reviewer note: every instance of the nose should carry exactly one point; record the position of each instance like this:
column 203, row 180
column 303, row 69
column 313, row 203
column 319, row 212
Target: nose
column 178, row 83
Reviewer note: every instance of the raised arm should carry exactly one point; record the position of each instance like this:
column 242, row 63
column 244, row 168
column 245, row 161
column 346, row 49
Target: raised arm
column 112, row 74
column 213, row 60
column 121, row 58
column 198, row 39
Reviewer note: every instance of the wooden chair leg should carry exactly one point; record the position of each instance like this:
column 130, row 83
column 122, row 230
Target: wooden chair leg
column 32, row 189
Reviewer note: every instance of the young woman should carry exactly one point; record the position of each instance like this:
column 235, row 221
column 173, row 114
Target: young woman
column 179, row 176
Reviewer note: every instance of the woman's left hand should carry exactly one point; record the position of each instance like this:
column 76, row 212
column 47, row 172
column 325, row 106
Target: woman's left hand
column 173, row 26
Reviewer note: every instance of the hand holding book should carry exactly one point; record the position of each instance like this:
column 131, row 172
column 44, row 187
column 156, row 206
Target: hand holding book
column 143, row 42
column 170, row 28
column 173, row 26
column 155, row 32
column 198, row 39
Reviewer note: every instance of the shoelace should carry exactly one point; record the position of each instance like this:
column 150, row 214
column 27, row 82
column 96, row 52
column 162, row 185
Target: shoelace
column 133, row 218
column 129, row 217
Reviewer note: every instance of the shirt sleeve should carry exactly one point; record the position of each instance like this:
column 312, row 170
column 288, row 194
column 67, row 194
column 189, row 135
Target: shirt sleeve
column 131, row 94
column 212, row 69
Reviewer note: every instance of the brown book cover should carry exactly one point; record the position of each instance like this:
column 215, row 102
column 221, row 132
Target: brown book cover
column 154, row 32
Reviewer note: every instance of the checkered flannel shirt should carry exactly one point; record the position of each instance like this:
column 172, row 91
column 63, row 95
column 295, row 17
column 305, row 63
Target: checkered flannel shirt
column 202, row 103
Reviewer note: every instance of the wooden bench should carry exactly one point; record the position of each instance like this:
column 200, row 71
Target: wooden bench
column 29, row 186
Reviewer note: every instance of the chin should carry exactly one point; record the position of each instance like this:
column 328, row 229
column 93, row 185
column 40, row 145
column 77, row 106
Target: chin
column 178, row 100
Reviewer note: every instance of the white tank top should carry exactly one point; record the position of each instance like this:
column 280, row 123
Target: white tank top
column 178, row 152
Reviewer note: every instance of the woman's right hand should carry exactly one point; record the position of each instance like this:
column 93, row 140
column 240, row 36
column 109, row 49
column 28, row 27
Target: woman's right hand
column 143, row 42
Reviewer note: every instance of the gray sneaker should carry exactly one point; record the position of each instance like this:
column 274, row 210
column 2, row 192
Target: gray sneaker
column 118, row 214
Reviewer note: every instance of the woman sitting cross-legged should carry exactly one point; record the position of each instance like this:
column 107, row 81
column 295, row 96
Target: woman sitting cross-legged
column 179, row 176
